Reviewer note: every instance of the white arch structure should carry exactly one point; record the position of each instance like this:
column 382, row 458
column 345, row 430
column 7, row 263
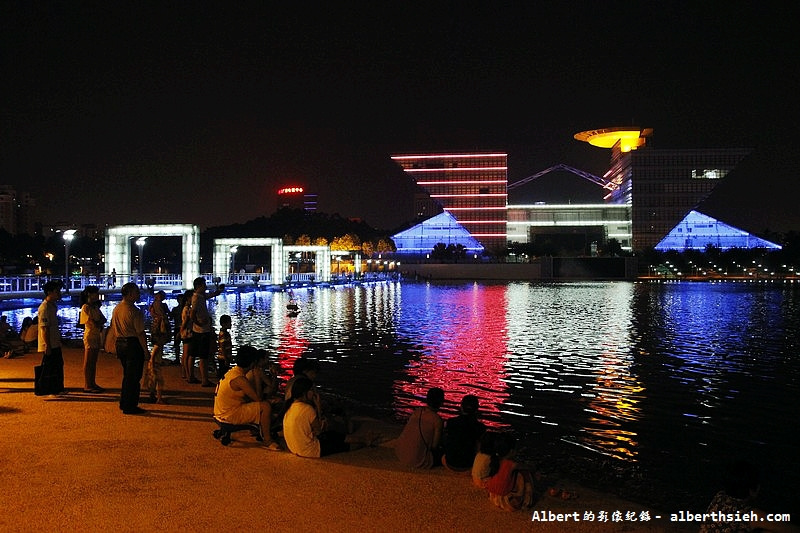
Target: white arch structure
column 118, row 254
column 322, row 263
column 222, row 255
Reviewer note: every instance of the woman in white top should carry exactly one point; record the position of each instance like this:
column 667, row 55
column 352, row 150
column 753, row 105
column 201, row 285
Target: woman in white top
column 92, row 320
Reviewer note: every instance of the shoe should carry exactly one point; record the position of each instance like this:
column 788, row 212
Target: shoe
column 273, row 446
column 93, row 390
column 134, row 411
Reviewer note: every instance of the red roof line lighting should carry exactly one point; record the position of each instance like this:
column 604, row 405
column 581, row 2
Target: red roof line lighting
column 444, row 156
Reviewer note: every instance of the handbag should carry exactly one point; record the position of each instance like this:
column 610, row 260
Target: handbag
column 45, row 381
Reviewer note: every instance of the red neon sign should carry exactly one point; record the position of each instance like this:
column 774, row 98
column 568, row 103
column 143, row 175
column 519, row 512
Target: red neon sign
column 290, row 190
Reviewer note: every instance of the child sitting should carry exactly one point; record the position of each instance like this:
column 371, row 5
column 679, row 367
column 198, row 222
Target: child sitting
column 482, row 465
column 510, row 487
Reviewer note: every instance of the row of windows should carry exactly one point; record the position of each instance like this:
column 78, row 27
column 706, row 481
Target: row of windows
column 466, row 189
column 697, row 186
column 666, row 203
column 691, row 158
column 454, row 163
column 569, row 216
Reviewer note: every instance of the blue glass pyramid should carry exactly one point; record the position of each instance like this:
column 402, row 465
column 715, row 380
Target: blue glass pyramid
column 421, row 238
column 696, row 231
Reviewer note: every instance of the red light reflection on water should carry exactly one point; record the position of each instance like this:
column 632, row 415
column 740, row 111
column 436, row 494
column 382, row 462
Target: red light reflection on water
column 466, row 357
column 291, row 346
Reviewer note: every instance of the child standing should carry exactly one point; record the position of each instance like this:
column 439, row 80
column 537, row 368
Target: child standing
column 224, row 346
column 159, row 336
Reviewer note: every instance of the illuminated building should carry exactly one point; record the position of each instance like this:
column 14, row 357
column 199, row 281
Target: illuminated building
column 697, row 231
column 443, row 228
column 660, row 186
column 583, row 224
column 469, row 186
column 296, row 197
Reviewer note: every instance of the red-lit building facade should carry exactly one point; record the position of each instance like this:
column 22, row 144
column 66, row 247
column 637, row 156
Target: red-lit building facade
column 469, row 186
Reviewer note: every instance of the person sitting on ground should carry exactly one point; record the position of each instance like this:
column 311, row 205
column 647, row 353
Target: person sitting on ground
column 461, row 436
column 264, row 381
column 30, row 334
column 741, row 487
column 511, row 486
column 6, row 331
column 305, row 433
column 237, row 402
column 308, row 368
column 482, row 465
column 419, row 443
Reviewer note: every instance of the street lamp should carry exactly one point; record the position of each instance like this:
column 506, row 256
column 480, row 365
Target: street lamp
column 68, row 236
column 233, row 251
column 140, row 243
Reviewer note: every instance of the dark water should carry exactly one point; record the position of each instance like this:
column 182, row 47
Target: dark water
column 646, row 390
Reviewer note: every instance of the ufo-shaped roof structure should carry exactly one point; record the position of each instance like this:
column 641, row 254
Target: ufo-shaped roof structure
column 629, row 138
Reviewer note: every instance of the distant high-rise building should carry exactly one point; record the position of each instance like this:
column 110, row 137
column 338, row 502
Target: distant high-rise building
column 469, row 186
column 17, row 211
column 27, row 217
column 296, row 197
column 8, row 209
column 661, row 186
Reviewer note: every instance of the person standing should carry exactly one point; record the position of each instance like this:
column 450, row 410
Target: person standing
column 159, row 336
column 92, row 320
column 50, row 339
column 202, row 340
column 128, row 323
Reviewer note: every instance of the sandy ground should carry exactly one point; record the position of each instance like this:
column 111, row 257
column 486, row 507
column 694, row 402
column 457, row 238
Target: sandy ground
column 77, row 463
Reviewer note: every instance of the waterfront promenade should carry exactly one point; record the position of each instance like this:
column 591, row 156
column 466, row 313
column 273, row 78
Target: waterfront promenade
column 76, row 463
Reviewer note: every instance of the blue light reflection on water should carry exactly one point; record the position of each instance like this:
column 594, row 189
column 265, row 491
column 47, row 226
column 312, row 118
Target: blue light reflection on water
column 672, row 377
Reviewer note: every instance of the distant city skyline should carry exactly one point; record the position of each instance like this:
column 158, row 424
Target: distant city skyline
column 161, row 114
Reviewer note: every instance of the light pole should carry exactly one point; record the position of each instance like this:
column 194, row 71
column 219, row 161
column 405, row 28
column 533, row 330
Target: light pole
column 140, row 243
column 233, row 250
column 68, row 236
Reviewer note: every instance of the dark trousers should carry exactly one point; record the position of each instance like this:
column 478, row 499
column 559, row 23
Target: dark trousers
column 131, row 355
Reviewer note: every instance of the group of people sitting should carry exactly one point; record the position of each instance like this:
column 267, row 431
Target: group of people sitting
column 14, row 343
column 249, row 393
column 462, row 444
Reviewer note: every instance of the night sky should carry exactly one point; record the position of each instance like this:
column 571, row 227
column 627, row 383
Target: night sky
column 139, row 112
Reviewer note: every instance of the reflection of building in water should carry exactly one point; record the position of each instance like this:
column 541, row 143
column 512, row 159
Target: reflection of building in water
column 613, row 405
column 466, row 354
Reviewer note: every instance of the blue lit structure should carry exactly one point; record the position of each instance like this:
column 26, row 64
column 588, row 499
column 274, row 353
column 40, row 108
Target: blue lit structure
column 444, row 228
column 697, row 231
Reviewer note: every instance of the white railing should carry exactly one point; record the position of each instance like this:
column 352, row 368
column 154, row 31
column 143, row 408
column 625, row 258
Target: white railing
column 31, row 284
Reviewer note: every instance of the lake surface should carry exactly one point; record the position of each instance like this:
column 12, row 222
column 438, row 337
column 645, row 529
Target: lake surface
column 644, row 389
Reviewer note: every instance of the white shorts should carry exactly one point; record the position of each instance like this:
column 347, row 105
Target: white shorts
column 247, row 413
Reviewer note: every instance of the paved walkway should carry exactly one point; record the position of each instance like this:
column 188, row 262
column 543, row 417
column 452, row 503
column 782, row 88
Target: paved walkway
column 76, row 463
